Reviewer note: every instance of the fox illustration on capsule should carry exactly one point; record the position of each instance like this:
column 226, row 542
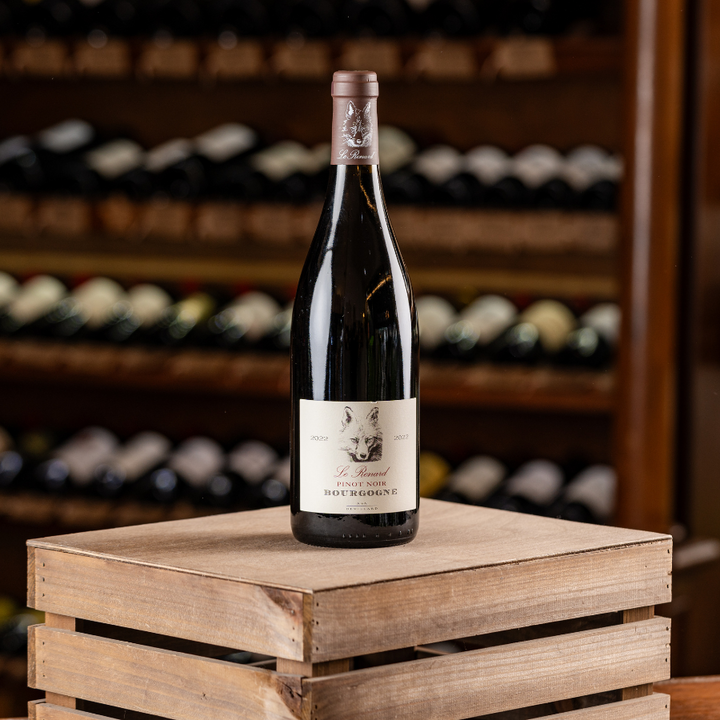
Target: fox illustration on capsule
column 361, row 438
column 357, row 130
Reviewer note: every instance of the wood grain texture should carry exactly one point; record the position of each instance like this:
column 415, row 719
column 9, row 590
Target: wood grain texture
column 227, row 613
column 496, row 679
column 699, row 392
column 486, row 600
column 48, row 711
column 306, row 669
column 258, row 547
column 645, row 427
column 160, row 682
column 655, row 707
column 636, row 615
column 694, row 698
column 242, row 581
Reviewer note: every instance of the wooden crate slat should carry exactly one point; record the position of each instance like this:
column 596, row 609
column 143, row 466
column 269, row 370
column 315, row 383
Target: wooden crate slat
column 244, row 616
column 158, row 682
column 496, row 571
column 655, row 707
column 501, row 678
column 47, row 711
column 258, row 546
column 390, row 614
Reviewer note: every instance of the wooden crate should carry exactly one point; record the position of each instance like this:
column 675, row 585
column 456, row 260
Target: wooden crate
column 553, row 616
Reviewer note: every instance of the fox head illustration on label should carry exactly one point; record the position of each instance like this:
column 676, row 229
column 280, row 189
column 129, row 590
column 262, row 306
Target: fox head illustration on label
column 361, row 437
column 357, row 130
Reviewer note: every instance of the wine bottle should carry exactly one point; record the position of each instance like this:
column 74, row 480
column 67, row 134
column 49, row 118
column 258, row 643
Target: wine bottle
column 53, row 18
column 176, row 171
column 104, row 19
column 233, row 19
column 34, row 300
column 435, row 315
column 11, row 462
column 308, row 18
column 14, row 632
column 275, row 489
column 112, row 168
column 454, row 18
column 184, row 321
column 450, row 183
column 593, row 175
column 434, row 473
column 478, row 325
column 494, row 170
column 85, row 311
column 245, row 321
column 539, row 17
column 139, row 457
column 401, row 184
column 593, row 343
column 195, row 468
column 533, row 488
column 475, row 480
column 541, row 332
column 73, row 464
column 169, row 19
column 354, row 353
column 224, row 152
column 59, row 150
column 376, row 18
column 281, row 172
column 278, row 336
column 590, row 496
column 129, row 319
column 541, row 169
column 9, row 290
column 263, row 480
column 20, row 169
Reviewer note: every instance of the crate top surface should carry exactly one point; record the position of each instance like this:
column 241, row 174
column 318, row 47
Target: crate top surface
column 258, row 546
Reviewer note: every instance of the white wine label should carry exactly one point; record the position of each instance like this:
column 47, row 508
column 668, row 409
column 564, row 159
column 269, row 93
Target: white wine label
column 197, row 460
column 116, row 158
column 253, row 461
column 167, row 154
column 358, row 458
column 141, row 454
column 85, row 451
column 225, row 141
column 66, row 136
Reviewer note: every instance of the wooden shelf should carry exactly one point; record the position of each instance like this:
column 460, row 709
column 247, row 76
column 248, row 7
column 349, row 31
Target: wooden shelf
column 268, row 376
column 285, row 273
column 545, row 253
column 86, row 513
column 481, row 59
column 73, row 223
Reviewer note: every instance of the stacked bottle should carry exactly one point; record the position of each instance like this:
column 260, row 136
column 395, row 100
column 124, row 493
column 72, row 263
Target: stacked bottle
column 231, row 19
column 230, row 162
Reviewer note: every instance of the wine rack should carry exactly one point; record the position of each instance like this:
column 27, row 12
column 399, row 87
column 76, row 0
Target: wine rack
column 508, row 91
column 484, row 59
column 249, row 374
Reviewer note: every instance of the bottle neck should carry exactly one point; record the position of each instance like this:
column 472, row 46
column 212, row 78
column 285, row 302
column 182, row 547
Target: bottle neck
column 355, row 131
column 355, row 188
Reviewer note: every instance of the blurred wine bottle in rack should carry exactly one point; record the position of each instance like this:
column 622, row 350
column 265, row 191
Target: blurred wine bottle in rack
column 489, row 328
column 198, row 472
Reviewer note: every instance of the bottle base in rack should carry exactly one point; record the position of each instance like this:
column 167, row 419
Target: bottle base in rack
column 355, row 531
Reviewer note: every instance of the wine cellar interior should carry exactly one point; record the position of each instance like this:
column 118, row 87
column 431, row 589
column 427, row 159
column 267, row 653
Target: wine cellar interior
column 632, row 83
